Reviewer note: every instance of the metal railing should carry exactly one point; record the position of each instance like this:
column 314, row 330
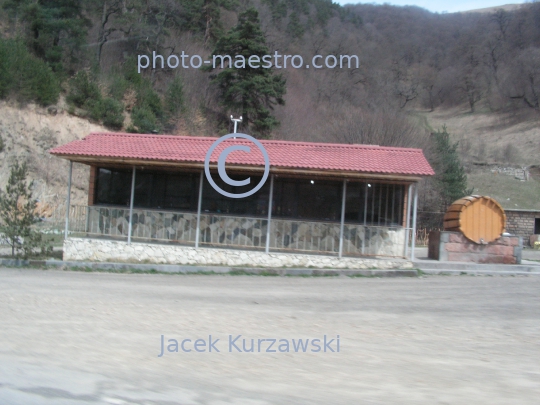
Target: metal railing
column 234, row 231
column 220, row 230
column 305, row 236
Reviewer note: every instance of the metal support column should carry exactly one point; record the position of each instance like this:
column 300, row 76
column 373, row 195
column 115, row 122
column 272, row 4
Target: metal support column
column 87, row 226
column 270, row 203
column 343, row 199
column 68, row 200
column 131, row 198
column 365, row 218
column 408, row 222
column 415, row 208
column 199, row 204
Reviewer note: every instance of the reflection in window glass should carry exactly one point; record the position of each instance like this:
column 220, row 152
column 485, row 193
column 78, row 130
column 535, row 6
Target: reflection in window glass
column 113, row 187
column 307, row 199
column 254, row 205
column 374, row 203
column 159, row 190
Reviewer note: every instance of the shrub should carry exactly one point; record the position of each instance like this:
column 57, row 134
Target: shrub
column 84, row 93
column 147, row 115
column 174, row 97
column 17, row 214
column 111, row 113
column 148, row 98
column 147, row 112
column 144, row 120
column 83, row 90
column 118, row 86
column 25, row 76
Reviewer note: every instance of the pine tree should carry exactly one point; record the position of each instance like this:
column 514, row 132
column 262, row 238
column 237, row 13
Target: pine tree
column 295, row 28
column 55, row 30
column 17, row 213
column 244, row 90
column 450, row 178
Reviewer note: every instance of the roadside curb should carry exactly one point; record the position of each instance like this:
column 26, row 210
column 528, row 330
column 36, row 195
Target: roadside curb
column 184, row 269
column 450, row 268
column 420, row 268
column 450, row 272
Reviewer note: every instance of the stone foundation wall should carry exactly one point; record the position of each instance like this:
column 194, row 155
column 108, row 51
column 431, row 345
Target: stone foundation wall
column 454, row 247
column 82, row 249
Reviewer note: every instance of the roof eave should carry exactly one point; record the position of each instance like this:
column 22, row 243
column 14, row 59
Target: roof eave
column 146, row 163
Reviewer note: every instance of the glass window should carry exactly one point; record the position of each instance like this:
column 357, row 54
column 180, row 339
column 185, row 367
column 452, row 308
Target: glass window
column 374, row 203
column 307, row 199
column 158, row 190
column 310, row 199
column 113, row 187
column 181, row 191
column 354, row 206
column 255, row 204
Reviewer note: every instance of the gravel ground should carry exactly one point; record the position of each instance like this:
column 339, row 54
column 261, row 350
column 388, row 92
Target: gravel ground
column 94, row 338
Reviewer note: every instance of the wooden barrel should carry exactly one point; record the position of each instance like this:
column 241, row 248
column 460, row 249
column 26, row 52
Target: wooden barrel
column 479, row 219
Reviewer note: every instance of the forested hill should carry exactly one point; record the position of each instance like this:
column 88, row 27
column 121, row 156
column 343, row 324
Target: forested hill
column 411, row 62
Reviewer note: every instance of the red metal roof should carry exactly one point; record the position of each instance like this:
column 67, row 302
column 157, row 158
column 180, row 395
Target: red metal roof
column 283, row 154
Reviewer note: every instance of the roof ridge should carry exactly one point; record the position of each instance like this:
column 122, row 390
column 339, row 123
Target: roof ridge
column 343, row 145
column 264, row 141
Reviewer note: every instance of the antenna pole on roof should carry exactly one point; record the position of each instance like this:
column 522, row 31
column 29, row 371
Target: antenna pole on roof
column 236, row 121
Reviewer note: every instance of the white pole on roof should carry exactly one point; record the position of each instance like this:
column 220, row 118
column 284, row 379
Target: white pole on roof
column 271, row 197
column 415, row 209
column 131, row 198
column 199, row 204
column 68, row 200
column 236, row 121
column 343, row 199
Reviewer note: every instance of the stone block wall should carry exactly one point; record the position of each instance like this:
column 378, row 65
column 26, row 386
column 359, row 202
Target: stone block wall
column 454, row 247
column 243, row 232
column 83, row 249
column 521, row 223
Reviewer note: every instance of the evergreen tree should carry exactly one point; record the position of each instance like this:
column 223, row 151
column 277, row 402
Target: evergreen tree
column 55, row 30
column 295, row 28
column 25, row 76
column 17, row 214
column 244, row 90
column 450, row 178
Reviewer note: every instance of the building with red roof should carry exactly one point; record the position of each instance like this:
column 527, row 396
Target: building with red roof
column 347, row 201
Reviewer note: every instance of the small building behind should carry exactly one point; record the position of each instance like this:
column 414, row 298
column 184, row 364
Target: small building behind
column 524, row 223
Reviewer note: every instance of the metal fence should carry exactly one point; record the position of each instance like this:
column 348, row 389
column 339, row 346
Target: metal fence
column 226, row 230
column 234, row 231
column 242, row 232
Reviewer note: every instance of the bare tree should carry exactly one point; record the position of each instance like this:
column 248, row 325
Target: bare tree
column 526, row 80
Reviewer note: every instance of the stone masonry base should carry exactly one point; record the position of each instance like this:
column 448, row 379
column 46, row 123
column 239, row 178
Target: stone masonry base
column 454, row 247
column 81, row 249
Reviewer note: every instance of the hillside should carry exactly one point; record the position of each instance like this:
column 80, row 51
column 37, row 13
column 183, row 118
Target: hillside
column 478, row 73
column 28, row 133
column 488, row 10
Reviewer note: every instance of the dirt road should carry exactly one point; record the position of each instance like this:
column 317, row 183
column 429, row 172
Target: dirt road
column 94, row 338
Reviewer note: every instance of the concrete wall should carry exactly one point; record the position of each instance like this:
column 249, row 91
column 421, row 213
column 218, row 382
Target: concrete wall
column 82, row 249
column 454, row 247
column 521, row 223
